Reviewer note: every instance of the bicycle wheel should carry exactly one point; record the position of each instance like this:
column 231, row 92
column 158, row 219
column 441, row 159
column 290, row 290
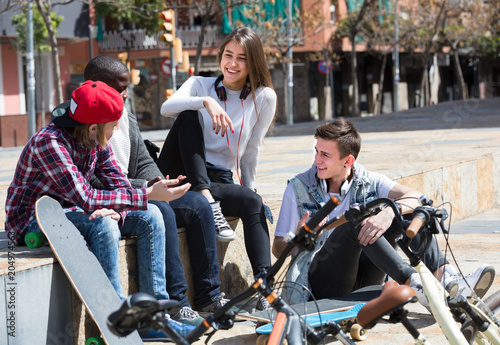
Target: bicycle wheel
column 469, row 328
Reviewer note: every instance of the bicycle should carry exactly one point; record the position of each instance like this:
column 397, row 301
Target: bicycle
column 144, row 311
column 478, row 317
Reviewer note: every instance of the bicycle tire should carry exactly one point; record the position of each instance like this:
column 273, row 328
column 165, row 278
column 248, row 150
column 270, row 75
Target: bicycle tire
column 469, row 328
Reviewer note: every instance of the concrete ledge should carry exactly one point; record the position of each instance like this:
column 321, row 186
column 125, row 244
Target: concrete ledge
column 231, row 263
column 471, row 187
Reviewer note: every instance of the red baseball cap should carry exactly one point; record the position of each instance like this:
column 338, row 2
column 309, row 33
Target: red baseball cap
column 92, row 103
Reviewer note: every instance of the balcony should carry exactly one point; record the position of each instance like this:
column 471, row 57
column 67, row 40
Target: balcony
column 117, row 41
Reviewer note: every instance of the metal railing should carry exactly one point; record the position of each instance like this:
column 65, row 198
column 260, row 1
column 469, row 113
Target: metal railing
column 117, row 41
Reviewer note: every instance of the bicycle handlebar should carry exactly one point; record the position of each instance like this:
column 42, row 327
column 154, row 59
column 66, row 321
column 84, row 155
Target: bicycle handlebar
column 135, row 309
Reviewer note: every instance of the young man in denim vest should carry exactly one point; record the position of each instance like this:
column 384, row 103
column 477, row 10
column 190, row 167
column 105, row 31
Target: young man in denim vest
column 352, row 256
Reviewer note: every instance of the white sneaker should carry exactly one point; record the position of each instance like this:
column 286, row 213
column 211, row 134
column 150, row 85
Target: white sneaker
column 480, row 280
column 449, row 281
column 416, row 284
column 224, row 232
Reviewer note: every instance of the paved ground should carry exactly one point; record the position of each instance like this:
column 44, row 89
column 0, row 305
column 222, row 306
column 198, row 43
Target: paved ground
column 396, row 144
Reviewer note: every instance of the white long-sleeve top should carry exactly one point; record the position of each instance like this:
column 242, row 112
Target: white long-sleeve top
column 256, row 119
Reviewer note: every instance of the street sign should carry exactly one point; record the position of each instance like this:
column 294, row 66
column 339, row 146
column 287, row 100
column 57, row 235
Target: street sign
column 165, row 67
column 324, row 67
column 153, row 77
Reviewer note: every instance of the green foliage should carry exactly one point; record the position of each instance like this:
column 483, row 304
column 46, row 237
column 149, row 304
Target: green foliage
column 488, row 46
column 133, row 13
column 40, row 32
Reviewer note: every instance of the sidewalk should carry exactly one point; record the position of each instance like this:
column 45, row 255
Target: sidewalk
column 399, row 145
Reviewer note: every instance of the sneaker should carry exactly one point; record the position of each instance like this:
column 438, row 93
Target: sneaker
column 449, row 282
column 416, row 284
column 262, row 303
column 188, row 316
column 216, row 303
column 480, row 280
column 152, row 335
column 224, row 232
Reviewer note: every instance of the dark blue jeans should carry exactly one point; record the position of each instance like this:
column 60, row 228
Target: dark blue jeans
column 193, row 212
column 343, row 265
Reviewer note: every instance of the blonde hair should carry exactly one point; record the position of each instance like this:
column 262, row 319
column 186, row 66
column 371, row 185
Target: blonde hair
column 82, row 134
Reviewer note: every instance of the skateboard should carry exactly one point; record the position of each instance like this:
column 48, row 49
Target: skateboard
column 344, row 317
column 326, row 305
column 82, row 269
column 319, row 319
column 334, row 306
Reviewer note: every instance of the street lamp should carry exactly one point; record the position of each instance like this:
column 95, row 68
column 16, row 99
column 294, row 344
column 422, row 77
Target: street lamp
column 396, row 57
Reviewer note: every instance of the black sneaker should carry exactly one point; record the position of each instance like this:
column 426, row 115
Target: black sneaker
column 224, row 232
column 188, row 316
column 217, row 303
column 262, row 303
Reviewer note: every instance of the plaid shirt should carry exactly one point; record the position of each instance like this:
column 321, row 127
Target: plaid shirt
column 56, row 164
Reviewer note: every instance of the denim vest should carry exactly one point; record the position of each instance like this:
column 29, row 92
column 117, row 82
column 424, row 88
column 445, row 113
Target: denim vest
column 309, row 197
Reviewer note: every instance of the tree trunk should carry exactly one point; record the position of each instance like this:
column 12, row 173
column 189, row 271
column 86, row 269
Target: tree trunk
column 201, row 39
column 45, row 13
column 354, row 78
column 378, row 101
column 460, row 75
column 424, row 85
column 205, row 20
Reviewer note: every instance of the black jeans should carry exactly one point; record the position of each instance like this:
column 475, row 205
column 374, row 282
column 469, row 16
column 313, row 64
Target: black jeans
column 343, row 265
column 183, row 153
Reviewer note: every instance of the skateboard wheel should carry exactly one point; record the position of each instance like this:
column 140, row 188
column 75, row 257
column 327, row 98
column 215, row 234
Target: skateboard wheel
column 95, row 341
column 34, row 239
column 262, row 339
column 358, row 333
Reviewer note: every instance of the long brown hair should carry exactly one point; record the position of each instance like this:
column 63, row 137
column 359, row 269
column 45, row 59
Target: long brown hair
column 258, row 73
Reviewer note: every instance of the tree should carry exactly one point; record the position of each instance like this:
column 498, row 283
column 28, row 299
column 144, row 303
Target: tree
column 425, row 29
column 208, row 11
column 132, row 14
column 378, row 30
column 269, row 20
column 40, row 34
column 350, row 27
column 45, row 8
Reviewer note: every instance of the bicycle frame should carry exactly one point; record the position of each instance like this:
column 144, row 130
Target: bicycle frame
column 291, row 325
column 491, row 333
column 436, row 295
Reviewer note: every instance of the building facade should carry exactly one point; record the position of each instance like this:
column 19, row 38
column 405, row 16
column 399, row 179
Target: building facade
column 321, row 89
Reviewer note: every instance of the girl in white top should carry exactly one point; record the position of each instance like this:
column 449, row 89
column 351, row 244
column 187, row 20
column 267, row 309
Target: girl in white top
column 219, row 127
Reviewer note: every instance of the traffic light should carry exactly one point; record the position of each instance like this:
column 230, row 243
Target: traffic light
column 167, row 26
